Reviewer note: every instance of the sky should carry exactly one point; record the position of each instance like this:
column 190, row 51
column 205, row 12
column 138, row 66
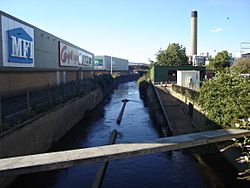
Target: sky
column 137, row 29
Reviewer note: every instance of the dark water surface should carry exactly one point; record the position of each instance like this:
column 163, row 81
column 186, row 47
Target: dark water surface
column 171, row 169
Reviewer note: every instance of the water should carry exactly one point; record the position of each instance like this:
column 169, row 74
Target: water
column 170, row 169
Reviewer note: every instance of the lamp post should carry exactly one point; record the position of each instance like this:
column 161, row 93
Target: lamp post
column 111, row 65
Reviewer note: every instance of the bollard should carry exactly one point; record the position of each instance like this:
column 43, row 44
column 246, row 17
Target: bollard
column 102, row 169
column 119, row 119
column 28, row 99
column 1, row 119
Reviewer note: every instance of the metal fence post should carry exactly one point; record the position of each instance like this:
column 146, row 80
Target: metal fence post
column 48, row 94
column 83, row 86
column 1, row 119
column 72, row 89
column 28, row 99
column 62, row 90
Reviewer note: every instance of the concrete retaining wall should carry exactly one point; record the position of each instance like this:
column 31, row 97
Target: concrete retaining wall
column 156, row 110
column 198, row 117
column 39, row 134
column 199, row 120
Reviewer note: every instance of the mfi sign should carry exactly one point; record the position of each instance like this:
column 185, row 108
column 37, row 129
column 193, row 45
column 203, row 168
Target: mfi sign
column 20, row 46
column 17, row 43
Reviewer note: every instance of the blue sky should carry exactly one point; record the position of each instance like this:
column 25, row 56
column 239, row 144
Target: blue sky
column 137, row 29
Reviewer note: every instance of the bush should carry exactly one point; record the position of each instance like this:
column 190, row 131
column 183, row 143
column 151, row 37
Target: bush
column 226, row 98
column 189, row 93
column 103, row 80
column 143, row 84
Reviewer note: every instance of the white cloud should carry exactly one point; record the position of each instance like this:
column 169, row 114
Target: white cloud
column 216, row 30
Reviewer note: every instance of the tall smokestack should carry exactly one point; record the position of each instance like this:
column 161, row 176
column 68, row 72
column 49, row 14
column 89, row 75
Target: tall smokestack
column 194, row 32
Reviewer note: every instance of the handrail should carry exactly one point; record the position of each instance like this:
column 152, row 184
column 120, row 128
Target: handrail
column 70, row 158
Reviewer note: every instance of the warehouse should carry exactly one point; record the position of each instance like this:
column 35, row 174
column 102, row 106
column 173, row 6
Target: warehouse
column 33, row 58
column 169, row 73
column 103, row 64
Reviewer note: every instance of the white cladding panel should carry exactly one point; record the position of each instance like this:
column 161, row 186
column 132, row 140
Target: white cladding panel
column 189, row 79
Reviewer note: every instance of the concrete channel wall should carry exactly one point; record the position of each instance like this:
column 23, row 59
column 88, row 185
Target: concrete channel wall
column 200, row 123
column 157, row 111
column 198, row 117
column 39, row 134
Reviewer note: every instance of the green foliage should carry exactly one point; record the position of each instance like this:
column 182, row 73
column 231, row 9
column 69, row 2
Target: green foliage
column 143, row 84
column 220, row 61
column 174, row 55
column 244, row 145
column 226, row 98
column 189, row 93
column 103, row 80
column 243, row 65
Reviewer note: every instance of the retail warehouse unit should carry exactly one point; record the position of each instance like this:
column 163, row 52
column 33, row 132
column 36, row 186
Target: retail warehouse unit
column 31, row 57
column 103, row 64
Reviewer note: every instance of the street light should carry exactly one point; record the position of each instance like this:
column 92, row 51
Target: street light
column 111, row 65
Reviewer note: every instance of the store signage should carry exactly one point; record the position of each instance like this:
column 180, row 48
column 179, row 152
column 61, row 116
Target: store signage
column 73, row 57
column 99, row 64
column 20, row 45
column 17, row 43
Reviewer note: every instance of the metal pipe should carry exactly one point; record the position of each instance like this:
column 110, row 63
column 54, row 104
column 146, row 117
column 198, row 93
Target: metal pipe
column 119, row 119
column 102, row 169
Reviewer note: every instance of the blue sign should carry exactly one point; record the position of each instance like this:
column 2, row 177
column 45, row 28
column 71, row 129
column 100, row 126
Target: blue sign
column 20, row 45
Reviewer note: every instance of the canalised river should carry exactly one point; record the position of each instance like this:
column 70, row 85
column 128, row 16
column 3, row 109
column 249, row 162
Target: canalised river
column 171, row 169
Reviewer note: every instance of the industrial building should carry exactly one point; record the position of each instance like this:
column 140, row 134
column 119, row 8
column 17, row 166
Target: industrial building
column 33, row 58
column 245, row 55
column 189, row 79
column 199, row 60
column 169, row 73
column 137, row 67
column 103, row 64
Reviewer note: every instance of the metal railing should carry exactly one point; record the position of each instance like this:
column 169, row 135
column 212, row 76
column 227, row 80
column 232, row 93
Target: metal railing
column 16, row 109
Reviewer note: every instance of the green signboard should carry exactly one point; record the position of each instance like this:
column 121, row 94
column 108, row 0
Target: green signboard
column 98, row 62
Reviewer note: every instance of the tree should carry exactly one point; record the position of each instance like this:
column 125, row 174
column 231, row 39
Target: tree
column 174, row 55
column 220, row 61
column 243, row 65
column 226, row 98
